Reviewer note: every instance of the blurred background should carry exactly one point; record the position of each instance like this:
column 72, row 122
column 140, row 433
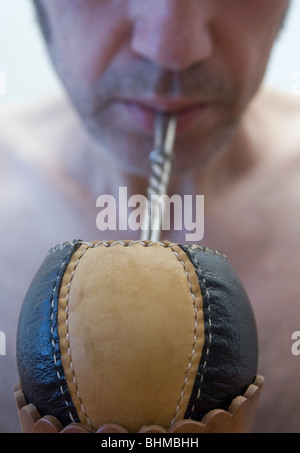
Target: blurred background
column 21, row 45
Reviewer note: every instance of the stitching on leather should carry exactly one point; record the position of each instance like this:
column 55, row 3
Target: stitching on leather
column 53, row 342
column 106, row 244
column 209, row 250
column 195, row 333
column 129, row 244
column 110, row 244
column 90, row 245
column 198, row 270
column 67, row 337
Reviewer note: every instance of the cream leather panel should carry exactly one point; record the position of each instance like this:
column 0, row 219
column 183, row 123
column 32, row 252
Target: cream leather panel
column 131, row 333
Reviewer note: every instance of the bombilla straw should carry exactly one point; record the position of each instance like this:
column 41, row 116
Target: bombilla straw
column 161, row 164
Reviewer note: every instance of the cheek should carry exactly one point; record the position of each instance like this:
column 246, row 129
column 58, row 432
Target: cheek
column 86, row 37
column 242, row 53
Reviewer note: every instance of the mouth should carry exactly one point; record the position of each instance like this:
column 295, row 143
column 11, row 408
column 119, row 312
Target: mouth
column 188, row 113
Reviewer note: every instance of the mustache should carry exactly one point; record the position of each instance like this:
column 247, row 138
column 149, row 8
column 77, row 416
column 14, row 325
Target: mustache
column 144, row 79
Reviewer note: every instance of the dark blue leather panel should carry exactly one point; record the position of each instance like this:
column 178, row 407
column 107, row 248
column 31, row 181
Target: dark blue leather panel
column 38, row 353
column 230, row 354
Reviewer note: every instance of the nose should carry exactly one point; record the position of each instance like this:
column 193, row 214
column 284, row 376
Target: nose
column 173, row 34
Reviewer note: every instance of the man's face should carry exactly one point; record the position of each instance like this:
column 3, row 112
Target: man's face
column 123, row 60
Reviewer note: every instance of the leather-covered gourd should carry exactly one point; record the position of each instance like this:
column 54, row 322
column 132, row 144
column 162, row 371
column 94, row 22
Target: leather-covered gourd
column 135, row 333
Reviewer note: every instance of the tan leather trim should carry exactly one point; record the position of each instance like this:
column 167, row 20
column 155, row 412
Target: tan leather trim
column 198, row 330
column 131, row 333
column 63, row 333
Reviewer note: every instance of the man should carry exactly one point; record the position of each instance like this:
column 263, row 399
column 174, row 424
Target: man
column 237, row 143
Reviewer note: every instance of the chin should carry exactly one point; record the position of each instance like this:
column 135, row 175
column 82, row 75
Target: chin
column 128, row 151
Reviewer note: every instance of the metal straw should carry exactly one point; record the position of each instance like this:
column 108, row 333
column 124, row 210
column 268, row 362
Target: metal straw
column 161, row 162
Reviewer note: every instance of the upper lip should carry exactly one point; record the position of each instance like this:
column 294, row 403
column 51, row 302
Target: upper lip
column 169, row 105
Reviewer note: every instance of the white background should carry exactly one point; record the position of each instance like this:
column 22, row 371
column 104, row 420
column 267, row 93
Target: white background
column 29, row 74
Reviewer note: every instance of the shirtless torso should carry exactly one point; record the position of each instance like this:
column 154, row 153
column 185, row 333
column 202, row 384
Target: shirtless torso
column 251, row 214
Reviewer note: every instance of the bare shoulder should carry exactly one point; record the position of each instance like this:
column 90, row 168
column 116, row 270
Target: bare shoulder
column 31, row 114
column 270, row 241
column 275, row 126
column 280, row 106
column 31, row 130
column 274, row 118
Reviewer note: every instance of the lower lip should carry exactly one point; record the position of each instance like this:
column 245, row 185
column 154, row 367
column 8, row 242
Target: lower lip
column 145, row 117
